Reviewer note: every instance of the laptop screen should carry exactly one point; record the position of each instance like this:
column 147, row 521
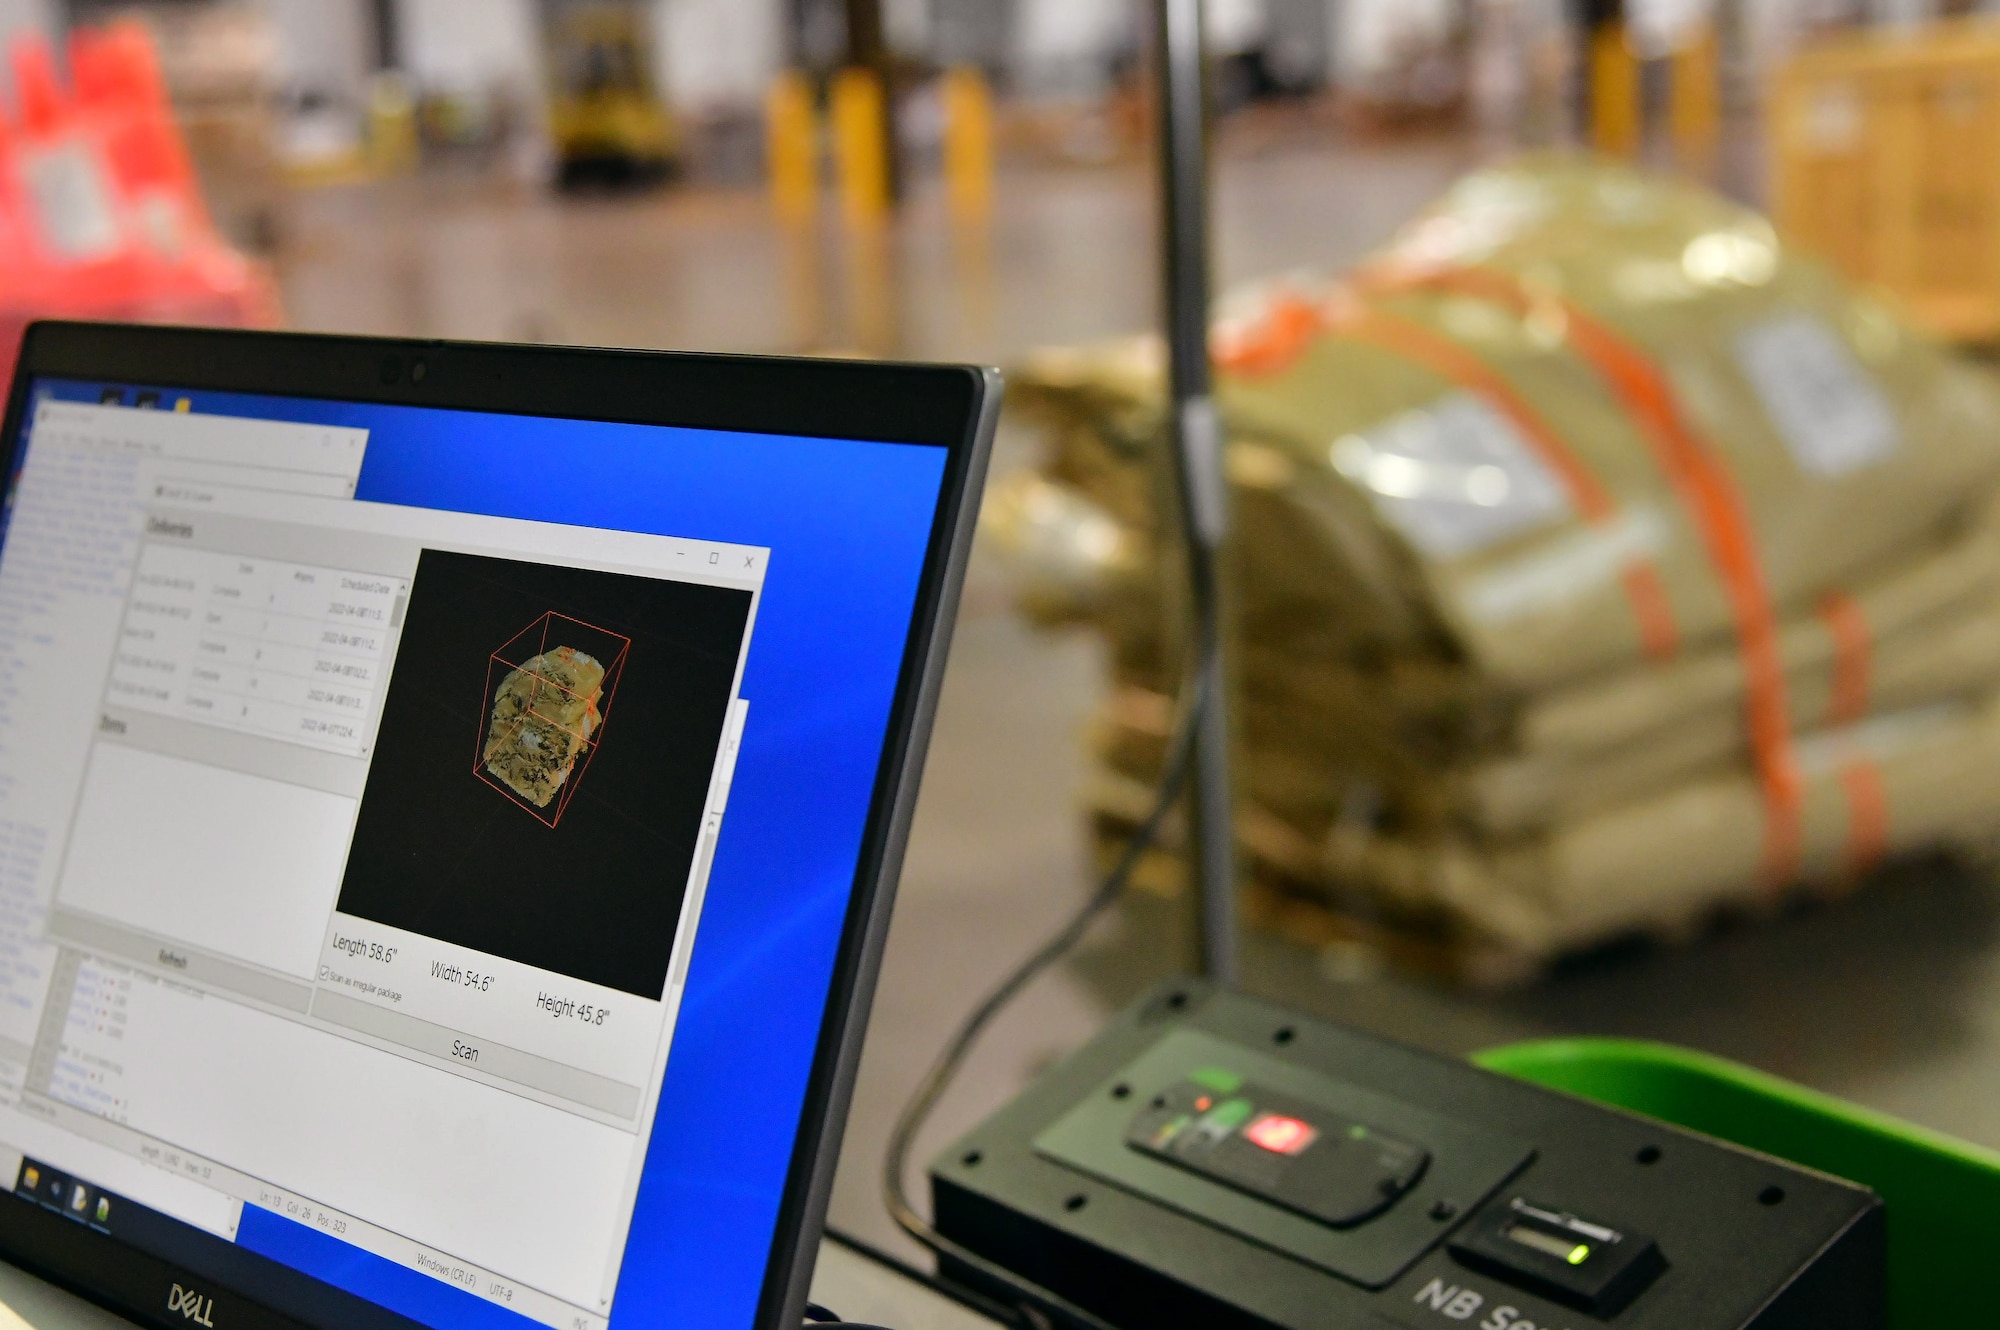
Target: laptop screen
column 426, row 838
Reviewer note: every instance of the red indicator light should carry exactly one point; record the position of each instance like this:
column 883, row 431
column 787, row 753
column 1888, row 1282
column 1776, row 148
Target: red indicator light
column 1281, row 1135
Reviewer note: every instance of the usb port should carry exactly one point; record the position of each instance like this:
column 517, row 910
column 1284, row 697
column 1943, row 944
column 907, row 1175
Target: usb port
column 1559, row 1255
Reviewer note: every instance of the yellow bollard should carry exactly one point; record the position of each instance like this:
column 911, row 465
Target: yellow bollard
column 1614, row 92
column 860, row 139
column 791, row 143
column 968, row 144
column 1694, row 104
column 392, row 125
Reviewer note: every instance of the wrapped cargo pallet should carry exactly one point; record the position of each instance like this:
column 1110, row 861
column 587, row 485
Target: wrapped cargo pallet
column 1597, row 564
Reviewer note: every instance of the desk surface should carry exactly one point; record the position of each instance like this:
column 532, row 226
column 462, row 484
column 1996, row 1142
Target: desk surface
column 855, row 1286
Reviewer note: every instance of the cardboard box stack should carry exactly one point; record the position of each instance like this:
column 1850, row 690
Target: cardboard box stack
column 1598, row 565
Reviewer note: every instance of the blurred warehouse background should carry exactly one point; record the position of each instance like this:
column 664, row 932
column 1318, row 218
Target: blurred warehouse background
column 1531, row 311
column 292, row 106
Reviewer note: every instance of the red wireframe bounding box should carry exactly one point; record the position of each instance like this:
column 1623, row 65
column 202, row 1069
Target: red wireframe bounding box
column 548, row 697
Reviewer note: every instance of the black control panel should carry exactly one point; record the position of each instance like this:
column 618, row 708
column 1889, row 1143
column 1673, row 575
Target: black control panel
column 1212, row 1160
column 1285, row 1149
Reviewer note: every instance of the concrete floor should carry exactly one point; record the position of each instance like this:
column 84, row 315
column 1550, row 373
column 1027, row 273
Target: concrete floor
column 1892, row 997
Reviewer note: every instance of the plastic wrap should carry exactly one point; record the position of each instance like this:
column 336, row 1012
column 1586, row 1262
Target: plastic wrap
column 1579, row 500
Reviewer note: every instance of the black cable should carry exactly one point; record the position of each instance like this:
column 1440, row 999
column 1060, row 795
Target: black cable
column 1200, row 737
column 1038, row 1302
column 818, row 1315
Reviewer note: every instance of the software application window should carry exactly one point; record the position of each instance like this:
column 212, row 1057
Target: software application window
column 402, row 818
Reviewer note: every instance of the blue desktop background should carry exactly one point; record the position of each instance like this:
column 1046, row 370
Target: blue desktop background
column 848, row 525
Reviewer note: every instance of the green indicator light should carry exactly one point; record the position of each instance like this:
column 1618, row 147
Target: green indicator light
column 1229, row 1114
column 1564, row 1248
column 1357, row 1132
column 1216, row 1079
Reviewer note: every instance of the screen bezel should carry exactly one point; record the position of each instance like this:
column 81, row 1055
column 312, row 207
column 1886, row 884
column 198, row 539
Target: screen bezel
column 944, row 406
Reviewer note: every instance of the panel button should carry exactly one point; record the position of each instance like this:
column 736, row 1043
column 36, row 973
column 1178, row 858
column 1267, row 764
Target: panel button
column 1277, row 1146
column 1563, row 1257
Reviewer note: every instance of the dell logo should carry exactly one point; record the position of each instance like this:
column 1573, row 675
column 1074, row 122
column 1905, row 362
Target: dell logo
column 192, row 1305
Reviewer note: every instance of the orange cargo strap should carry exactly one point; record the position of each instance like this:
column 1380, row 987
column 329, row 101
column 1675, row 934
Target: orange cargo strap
column 1867, row 815
column 1658, row 634
column 1272, row 343
column 1709, row 495
column 1269, row 343
column 1848, row 627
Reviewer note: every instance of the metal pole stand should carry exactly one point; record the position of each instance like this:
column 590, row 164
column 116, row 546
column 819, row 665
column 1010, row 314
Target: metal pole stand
column 1196, row 435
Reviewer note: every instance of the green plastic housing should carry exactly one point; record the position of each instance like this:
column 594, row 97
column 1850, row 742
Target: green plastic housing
column 1942, row 1194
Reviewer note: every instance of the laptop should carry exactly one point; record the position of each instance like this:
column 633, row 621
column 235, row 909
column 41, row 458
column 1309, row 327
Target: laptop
column 450, row 801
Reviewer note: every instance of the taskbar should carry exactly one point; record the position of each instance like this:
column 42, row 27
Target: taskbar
column 159, row 1270
column 283, row 1240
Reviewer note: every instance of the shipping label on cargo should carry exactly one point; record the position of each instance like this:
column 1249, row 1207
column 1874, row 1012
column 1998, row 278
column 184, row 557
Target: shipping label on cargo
column 1453, row 478
column 1823, row 402
column 1567, row 569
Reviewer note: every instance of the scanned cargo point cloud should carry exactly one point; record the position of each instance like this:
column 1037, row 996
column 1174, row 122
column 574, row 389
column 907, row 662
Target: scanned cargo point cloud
column 548, row 697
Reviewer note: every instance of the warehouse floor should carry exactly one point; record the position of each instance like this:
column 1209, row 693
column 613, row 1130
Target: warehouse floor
column 1891, row 997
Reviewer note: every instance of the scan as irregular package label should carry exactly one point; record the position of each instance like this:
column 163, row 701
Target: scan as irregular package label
column 1454, row 477
column 544, row 713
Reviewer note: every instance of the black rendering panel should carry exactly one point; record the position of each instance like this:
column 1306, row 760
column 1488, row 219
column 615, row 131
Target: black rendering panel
column 543, row 761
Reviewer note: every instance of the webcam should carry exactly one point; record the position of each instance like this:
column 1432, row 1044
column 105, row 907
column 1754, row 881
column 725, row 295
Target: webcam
column 392, row 370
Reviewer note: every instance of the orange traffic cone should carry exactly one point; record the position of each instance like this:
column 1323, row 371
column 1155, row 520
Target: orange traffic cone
column 14, row 241
column 118, row 82
column 38, row 91
column 71, row 205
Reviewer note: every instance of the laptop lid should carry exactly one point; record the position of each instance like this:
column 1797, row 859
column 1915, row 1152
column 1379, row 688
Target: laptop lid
column 450, row 799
